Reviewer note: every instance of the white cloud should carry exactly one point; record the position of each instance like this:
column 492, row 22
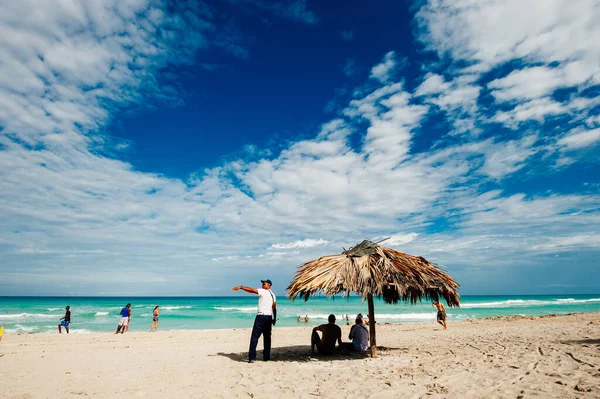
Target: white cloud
column 505, row 230
column 400, row 239
column 517, row 213
column 67, row 60
column 538, row 110
column 433, row 84
column 306, row 243
column 226, row 258
column 384, row 70
column 571, row 242
column 504, row 158
column 457, row 98
column 535, row 82
column 580, row 139
column 593, row 121
column 553, row 40
column 491, row 32
column 350, row 68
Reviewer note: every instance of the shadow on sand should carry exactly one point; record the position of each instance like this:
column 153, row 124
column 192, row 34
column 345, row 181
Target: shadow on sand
column 582, row 342
column 297, row 353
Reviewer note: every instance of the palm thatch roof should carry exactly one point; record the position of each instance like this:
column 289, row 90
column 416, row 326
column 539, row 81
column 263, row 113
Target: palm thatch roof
column 369, row 269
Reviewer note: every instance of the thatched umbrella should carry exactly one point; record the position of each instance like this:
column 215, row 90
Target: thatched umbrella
column 372, row 270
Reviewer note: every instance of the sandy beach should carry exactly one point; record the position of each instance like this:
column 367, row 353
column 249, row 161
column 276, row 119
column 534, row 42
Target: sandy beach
column 509, row 357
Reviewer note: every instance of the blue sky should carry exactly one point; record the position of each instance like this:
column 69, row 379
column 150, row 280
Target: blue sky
column 161, row 148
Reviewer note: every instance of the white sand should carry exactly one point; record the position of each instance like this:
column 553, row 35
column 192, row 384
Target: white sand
column 547, row 357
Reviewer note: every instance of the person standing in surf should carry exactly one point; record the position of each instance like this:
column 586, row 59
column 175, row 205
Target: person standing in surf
column 441, row 314
column 265, row 318
column 155, row 314
column 125, row 316
column 65, row 320
column 128, row 321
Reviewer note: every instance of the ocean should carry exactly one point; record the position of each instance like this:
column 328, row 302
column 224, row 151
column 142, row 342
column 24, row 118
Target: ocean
column 101, row 314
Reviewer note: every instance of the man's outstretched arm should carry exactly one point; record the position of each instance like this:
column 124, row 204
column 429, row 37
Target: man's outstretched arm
column 247, row 289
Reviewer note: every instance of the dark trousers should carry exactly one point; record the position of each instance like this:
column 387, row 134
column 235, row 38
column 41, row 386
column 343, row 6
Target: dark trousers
column 315, row 340
column 262, row 325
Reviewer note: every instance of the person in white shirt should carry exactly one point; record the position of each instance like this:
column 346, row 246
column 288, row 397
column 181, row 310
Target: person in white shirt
column 265, row 319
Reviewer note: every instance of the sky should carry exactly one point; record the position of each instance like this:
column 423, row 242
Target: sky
column 182, row 148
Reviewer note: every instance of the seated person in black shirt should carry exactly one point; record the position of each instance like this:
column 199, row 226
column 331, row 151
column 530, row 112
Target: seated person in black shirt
column 332, row 333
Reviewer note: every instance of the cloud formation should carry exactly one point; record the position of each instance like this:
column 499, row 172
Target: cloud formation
column 70, row 214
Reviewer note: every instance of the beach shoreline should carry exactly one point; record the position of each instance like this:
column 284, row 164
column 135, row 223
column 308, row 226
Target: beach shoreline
column 341, row 323
column 508, row 357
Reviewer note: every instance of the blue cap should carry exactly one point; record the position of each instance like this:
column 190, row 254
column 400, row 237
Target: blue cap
column 267, row 281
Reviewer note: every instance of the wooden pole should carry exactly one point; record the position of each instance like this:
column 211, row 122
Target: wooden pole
column 372, row 325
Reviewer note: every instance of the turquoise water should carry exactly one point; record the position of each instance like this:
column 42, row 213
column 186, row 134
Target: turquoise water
column 42, row 314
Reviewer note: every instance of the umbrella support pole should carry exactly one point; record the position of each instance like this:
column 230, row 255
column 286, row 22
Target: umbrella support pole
column 372, row 325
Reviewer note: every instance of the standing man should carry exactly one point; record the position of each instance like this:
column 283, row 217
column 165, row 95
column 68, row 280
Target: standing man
column 65, row 320
column 125, row 315
column 441, row 314
column 128, row 321
column 265, row 318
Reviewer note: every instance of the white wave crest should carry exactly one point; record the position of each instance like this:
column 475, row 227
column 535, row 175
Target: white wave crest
column 175, row 307
column 28, row 316
column 568, row 301
column 380, row 316
column 525, row 303
column 25, row 329
column 101, row 314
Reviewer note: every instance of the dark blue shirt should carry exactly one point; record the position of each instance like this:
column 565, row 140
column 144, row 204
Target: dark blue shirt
column 125, row 312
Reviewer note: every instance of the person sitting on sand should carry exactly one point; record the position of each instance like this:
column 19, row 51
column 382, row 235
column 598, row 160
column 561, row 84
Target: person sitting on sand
column 65, row 320
column 155, row 314
column 125, row 317
column 332, row 333
column 306, row 319
column 441, row 314
column 359, row 334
